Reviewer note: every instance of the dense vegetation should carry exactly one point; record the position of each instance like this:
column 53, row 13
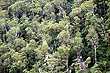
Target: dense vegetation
column 54, row 36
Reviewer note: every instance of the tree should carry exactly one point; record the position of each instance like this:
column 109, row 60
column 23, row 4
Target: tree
column 49, row 11
column 81, row 66
column 92, row 36
column 77, row 44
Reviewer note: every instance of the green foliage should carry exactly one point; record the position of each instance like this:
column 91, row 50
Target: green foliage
column 79, row 64
column 95, row 69
column 49, row 11
column 54, row 36
column 92, row 36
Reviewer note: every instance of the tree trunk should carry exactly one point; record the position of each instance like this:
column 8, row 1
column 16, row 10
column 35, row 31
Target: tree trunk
column 3, row 38
column 104, row 6
column 55, row 44
column 67, row 46
column 67, row 62
column 95, row 54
